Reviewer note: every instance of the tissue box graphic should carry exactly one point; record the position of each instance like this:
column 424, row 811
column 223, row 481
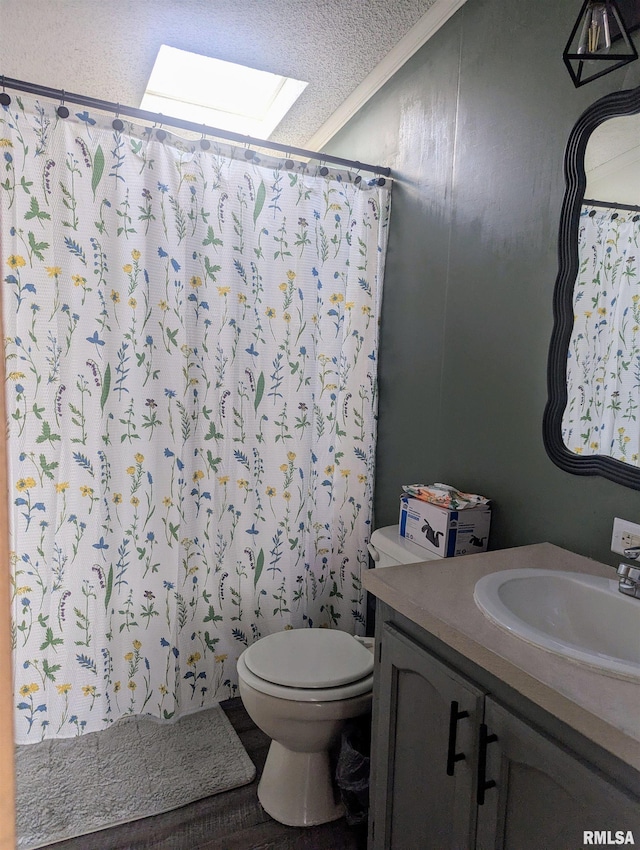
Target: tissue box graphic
column 444, row 532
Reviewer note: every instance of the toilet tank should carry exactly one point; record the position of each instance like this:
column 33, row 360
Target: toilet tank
column 388, row 548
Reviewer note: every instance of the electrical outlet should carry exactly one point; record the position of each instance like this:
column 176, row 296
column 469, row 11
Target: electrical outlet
column 625, row 535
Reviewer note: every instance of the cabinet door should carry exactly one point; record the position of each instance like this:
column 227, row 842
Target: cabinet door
column 544, row 796
column 425, row 725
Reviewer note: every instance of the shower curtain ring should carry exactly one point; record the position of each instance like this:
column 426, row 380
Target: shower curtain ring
column 249, row 154
column 62, row 110
column 5, row 99
column 117, row 124
column 205, row 144
column 323, row 170
column 161, row 134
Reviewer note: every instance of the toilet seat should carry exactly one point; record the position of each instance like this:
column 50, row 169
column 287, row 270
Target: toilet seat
column 308, row 665
column 354, row 689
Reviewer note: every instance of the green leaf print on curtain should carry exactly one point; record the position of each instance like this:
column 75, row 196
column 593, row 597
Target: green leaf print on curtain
column 191, row 346
column 603, row 365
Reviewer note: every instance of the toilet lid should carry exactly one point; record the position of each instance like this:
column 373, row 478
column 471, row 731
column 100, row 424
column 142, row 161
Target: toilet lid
column 309, row 658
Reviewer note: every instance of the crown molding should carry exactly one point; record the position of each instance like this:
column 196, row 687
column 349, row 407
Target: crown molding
column 435, row 17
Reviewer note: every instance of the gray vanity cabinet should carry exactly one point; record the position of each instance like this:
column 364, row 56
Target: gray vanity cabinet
column 544, row 795
column 425, row 720
column 454, row 769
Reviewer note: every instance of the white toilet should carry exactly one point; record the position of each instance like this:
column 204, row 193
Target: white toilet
column 300, row 686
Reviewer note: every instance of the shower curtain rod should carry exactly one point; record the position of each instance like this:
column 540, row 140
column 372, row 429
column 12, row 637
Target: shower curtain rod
column 160, row 119
column 611, row 205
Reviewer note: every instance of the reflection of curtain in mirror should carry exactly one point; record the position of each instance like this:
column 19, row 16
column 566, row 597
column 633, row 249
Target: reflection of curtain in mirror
column 603, row 365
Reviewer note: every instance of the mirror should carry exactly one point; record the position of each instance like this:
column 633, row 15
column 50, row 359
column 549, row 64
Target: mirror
column 591, row 422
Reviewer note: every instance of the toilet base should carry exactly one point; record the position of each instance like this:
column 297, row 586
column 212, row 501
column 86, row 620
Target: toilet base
column 296, row 789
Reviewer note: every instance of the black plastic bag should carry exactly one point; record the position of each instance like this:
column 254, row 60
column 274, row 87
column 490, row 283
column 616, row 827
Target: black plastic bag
column 352, row 769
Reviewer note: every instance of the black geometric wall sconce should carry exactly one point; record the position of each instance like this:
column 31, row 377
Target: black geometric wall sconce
column 599, row 42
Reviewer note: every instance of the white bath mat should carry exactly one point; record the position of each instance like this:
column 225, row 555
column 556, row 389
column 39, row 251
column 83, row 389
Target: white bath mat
column 138, row 767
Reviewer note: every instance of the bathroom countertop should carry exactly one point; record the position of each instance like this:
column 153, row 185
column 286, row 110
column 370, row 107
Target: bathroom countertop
column 438, row 597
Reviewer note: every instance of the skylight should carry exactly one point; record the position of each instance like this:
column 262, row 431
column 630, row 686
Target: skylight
column 218, row 93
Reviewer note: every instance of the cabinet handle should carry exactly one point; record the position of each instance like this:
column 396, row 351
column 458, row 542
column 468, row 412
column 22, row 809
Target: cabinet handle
column 483, row 783
column 452, row 755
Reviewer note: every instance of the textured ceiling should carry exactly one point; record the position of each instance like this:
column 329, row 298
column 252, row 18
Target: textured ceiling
column 107, row 49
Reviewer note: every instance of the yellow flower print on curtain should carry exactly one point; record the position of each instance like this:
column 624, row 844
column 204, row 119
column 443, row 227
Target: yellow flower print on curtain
column 191, row 345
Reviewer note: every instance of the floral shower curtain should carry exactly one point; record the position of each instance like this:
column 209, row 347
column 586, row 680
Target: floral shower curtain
column 603, row 366
column 191, row 343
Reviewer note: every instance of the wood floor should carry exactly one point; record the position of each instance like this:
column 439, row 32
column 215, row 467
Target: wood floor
column 233, row 820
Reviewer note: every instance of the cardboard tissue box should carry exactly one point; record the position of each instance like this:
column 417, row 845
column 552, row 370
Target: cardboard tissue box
column 442, row 531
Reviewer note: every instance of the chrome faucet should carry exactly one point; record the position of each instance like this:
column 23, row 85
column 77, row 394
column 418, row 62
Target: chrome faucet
column 629, row 577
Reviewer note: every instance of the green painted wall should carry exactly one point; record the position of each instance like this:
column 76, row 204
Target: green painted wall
column 474, row 128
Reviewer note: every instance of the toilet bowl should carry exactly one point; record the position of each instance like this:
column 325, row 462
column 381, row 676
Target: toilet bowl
column 300, row 686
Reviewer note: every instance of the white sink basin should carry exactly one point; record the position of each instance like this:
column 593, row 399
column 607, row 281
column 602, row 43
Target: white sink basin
column 582, row 617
